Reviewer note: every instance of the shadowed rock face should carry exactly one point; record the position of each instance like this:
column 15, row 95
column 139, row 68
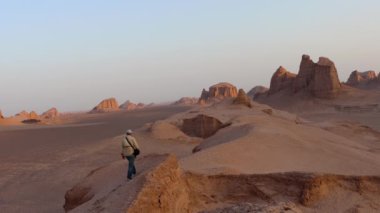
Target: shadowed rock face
column 31, row 121
column 1, row 115
column 325, row 82
column 106, row 105
column 281, row 79
column 305, row 74
column 257, row 90
column 362, row 78
column 218, row 92
column 243, row 99
column 50, row 114
column 201, row 126
column 319, row 79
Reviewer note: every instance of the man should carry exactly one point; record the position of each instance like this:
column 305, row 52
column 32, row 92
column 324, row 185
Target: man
column 129, row 145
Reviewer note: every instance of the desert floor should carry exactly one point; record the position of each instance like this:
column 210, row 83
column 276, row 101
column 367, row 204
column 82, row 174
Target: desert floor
column 40, row 163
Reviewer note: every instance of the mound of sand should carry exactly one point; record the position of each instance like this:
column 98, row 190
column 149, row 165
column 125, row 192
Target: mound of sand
column 167, row 131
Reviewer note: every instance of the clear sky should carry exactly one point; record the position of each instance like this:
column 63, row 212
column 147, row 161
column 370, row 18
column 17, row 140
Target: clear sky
column 73, row 53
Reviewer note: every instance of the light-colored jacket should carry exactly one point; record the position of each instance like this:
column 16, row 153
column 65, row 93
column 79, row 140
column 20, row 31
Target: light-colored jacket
column 127, row 150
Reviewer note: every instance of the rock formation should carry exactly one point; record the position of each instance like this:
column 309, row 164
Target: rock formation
column 360, row 79
column 281, row 79
column 128, row 105
column 186, row 101
column 202, row 126
column 305, row 73
column 1, row 115
column 50, row 114
column 243, row 99
column 33, row 115
column 24, row 115
column 325, row 82
column 319, row 79
column 107, row 105
column 218, row 92
column 256, row 91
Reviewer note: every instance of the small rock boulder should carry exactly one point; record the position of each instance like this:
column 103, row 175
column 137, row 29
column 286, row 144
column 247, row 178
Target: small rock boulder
column 107, row 105
column 217, row 93
column 242, row 99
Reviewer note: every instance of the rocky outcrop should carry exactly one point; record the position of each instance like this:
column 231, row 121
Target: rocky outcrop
column 164, row 190
column 281, row 80
column 128, row 105
column 202, row 126
column 1, row 115
column 325, row 82
column 319, row 79
column 363, row 78
column 33, row 115
column 243, row 99
column 185, row 101
column 305, row 74
column 107, row 105
column 217, row 93
column 50, row 114
column 24, row 115
column 256, row 91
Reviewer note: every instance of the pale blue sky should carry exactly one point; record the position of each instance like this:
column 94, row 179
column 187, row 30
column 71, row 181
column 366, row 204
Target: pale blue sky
column 71, row 53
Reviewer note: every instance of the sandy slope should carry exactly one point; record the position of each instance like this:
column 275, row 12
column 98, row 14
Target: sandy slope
column 260, row 143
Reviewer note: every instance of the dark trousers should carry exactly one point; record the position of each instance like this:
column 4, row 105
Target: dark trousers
column 131, row 166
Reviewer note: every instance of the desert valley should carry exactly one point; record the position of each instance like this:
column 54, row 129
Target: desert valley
column 308, row 143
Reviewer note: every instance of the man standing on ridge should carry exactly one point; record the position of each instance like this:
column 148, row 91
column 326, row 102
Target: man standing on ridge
column 130, row 149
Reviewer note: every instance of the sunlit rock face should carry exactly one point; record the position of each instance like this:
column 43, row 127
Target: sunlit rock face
column 218, row 92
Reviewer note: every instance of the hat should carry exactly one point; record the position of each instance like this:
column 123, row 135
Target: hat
column 129, row 132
